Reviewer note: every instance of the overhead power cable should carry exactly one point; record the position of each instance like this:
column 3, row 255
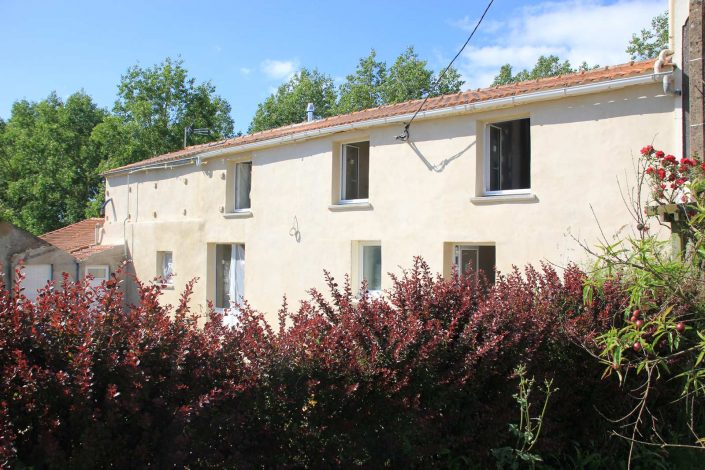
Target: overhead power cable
column 405, row 135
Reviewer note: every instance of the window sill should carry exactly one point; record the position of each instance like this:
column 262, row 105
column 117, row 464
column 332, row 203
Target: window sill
column 165, row 286
column 243, row 214
column 350, row 206
column 371, row 295
column 527, row 198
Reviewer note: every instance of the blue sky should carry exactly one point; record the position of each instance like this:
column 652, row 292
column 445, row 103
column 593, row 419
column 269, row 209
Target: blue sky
column 247, row 48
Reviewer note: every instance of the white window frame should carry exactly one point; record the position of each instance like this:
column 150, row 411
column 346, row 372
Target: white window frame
column 236, row 173
column 231, row 315
column 361, row 266
column 104, row 267
column 487, row 176
column 343, row 174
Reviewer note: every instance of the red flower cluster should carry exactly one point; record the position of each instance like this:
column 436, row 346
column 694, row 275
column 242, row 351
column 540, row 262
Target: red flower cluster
column 669, row 176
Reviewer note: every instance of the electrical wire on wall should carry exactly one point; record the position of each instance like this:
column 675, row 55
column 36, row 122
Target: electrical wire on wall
column 404, row 136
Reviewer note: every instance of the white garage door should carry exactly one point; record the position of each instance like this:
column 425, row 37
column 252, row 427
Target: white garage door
column 36, row 277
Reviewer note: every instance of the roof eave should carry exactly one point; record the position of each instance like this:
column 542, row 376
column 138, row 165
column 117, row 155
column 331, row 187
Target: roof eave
column 504, row 102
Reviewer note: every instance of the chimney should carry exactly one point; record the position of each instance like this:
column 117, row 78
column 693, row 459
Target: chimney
column 309, row 112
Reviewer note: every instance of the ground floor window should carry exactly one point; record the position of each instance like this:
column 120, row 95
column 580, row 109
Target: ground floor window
column 99, row 274
column 370, row 265
column 474, row 258
column 229, row 274
column 165, row 266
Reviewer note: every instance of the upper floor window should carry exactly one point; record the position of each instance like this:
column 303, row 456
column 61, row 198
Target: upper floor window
column 355, row 172
column 243, row 184
column 508, row 157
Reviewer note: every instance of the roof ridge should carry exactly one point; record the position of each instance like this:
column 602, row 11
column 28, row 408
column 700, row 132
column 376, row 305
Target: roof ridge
column 71, row 225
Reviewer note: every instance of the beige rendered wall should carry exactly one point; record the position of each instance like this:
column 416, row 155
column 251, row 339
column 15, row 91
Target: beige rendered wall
column 421, row 196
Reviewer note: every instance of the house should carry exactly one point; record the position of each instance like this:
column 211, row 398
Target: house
column 75, row 250
column 491, row 177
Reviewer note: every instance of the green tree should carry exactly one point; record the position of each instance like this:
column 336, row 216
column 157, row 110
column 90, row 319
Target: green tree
column 408, row 79
column 546, row 66
column 153, row 108
column 288, row 104
column 48, row 167
column 451, row 82
column 363, row 89
column 649, row 42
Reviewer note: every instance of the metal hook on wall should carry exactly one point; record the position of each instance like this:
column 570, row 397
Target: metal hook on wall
column 294, row 230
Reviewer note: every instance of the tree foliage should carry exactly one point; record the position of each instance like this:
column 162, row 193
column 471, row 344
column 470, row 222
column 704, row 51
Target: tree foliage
column 645, row 45
column 372, row 84
column 48, row 165
column 649, row 42
column 154, row 106
column 546, row 66
column 363, row 89
column 288, row 104
column 52, row 152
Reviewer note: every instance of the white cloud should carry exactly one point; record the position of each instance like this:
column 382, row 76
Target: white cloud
column 245, row 71
column 279, row 69
column 576, row 30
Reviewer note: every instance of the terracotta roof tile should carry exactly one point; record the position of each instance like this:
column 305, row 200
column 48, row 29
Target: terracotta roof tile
column 88, row 251
column 75, row 236
column 472, row 96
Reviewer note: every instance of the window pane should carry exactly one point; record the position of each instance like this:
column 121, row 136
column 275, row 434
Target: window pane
column 242, row 185
column 372, row 266
column 364, row 174
column 495, row 140
column 236, row 283
column 487, row 262
column 351, row 172
column 98, row 273
column 510, row 155
column 468, row 260
column 167, row 266
column 222, row 275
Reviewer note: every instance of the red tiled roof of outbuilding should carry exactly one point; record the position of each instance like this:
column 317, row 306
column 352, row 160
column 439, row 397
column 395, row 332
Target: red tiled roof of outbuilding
column 74, row 237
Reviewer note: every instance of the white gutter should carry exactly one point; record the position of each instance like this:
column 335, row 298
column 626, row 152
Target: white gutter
column 505, row 102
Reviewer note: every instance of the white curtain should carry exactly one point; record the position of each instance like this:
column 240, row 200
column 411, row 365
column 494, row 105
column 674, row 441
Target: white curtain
column 236, row 280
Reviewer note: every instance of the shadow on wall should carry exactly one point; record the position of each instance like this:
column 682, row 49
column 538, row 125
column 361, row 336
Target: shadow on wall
column 620, row 103
column 440, row 166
